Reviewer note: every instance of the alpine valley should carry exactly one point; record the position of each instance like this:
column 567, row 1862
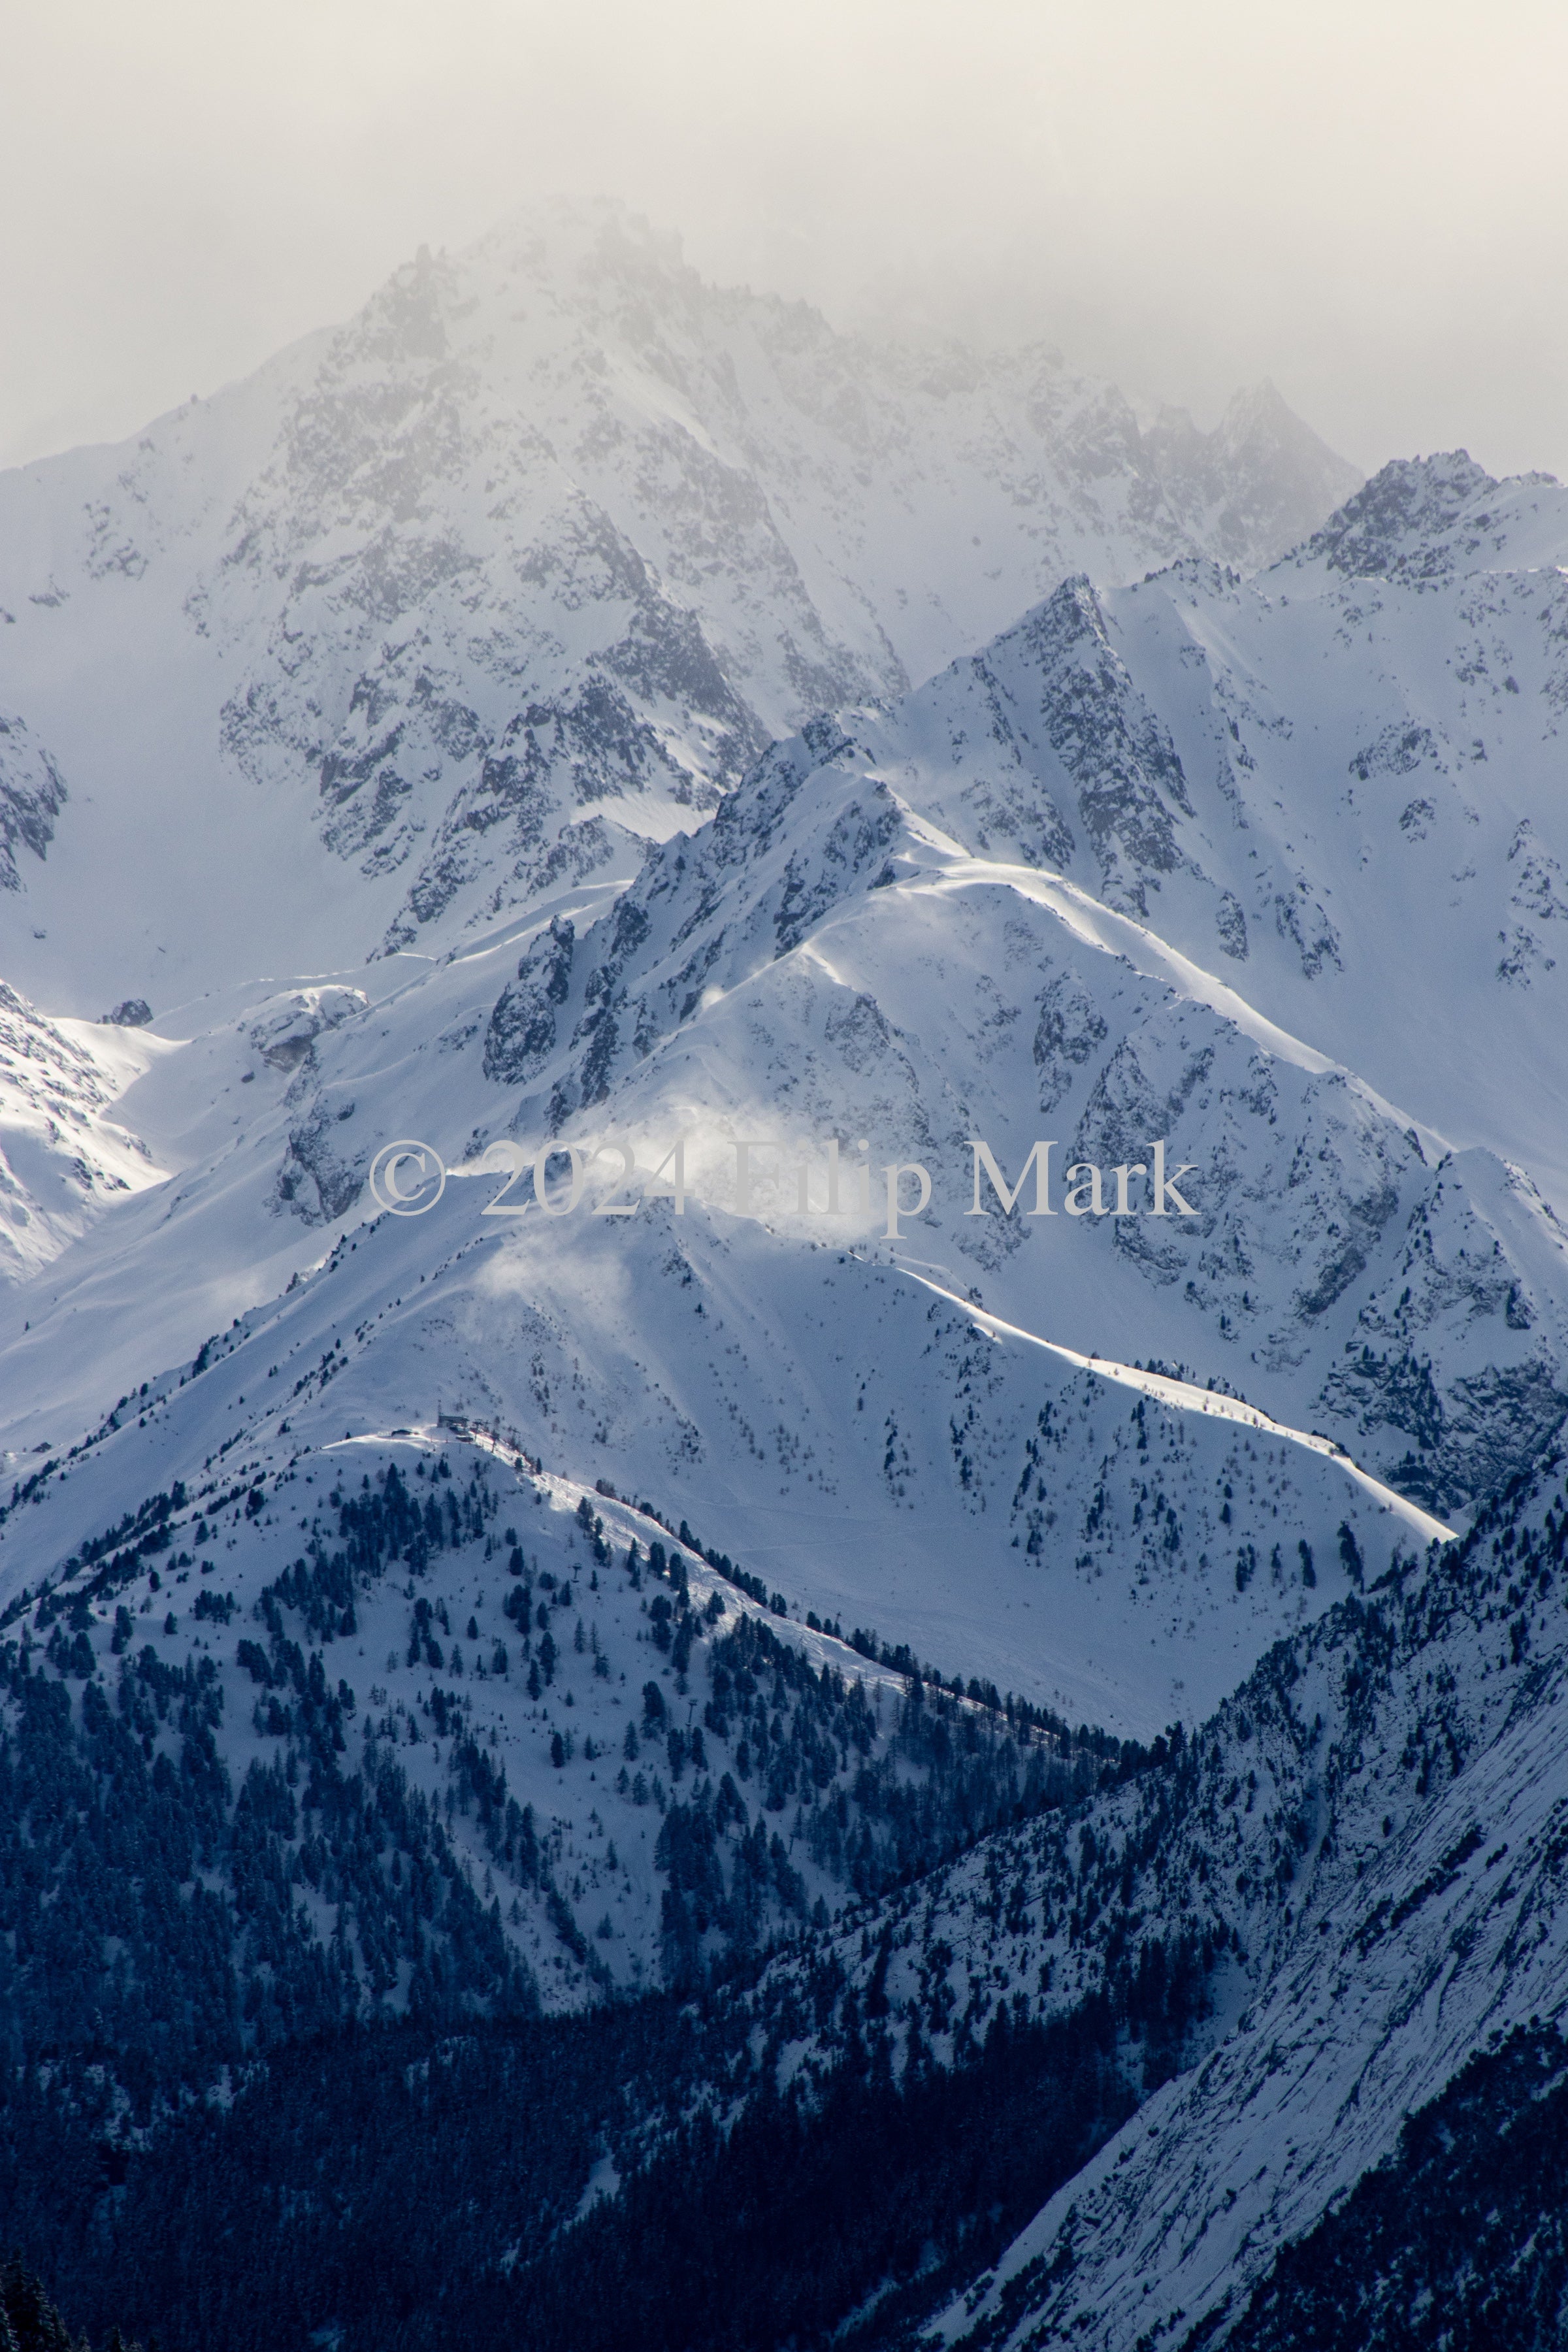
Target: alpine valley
column 784, row 1338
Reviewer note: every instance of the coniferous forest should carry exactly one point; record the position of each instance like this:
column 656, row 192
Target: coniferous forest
column 639, row 2172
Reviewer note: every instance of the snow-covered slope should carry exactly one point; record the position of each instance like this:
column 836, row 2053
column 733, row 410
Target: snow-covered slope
column 442, row 1602
column 1293, row 1926
column 462, row 603
column 1134, row 1537
column 62, row 1157
column 1373, row 1827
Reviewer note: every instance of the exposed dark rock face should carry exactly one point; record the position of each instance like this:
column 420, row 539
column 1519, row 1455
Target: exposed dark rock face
column 32, row 794
column 521, row 1033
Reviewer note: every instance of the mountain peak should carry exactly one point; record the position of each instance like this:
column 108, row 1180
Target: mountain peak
column 1253, row 477
column 1412, row 503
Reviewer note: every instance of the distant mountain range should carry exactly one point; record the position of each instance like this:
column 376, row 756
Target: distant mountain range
column 976, row 1734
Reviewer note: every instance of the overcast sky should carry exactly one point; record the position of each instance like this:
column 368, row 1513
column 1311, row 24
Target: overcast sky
column 1368, row 203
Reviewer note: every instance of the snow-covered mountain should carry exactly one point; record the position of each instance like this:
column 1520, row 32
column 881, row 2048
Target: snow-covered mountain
column 880, row 931
column 1338, row 782
column 859, row 1413
column 802, row 1401
column 464, row 603
column 839, row 971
